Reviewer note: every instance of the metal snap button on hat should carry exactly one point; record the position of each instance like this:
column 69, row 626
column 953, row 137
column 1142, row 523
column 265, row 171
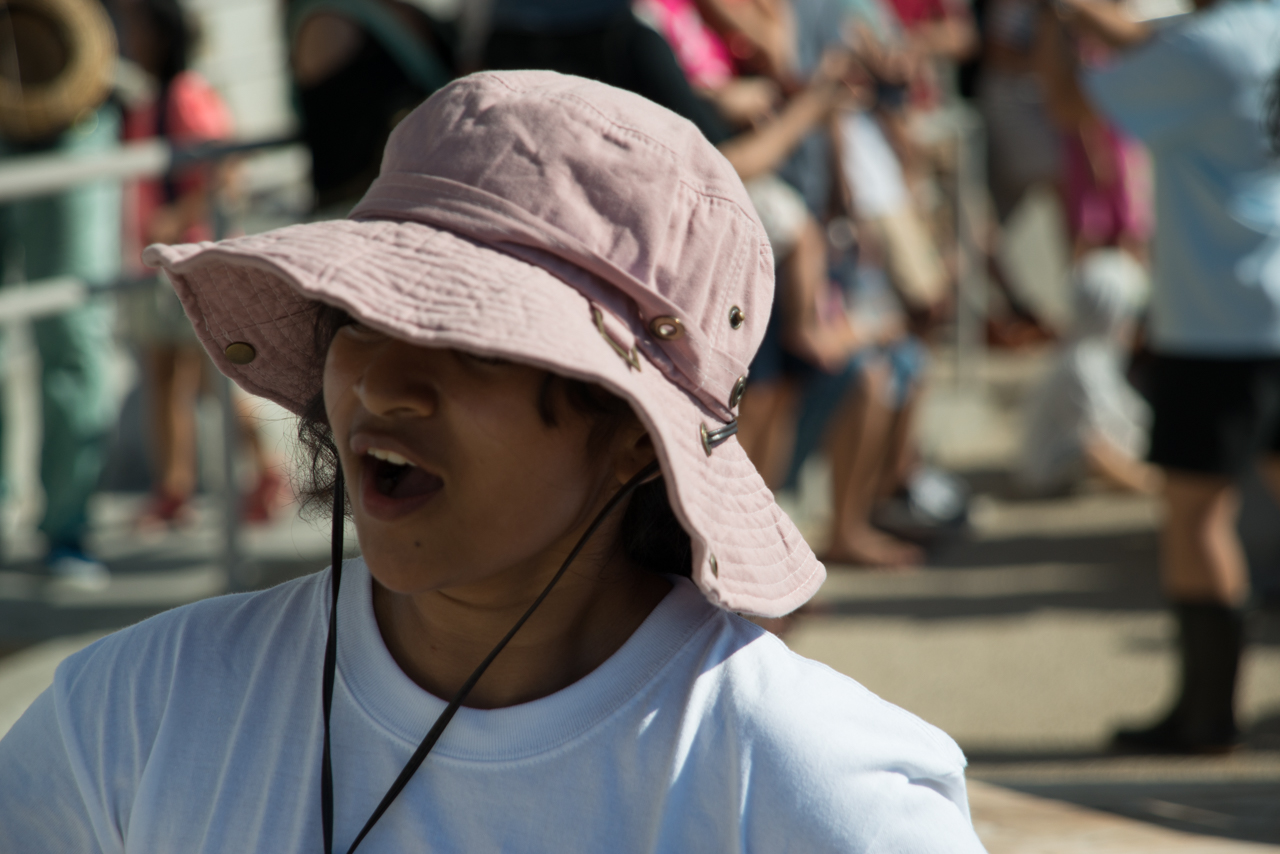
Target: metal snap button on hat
column 736, row 317
column 739, row 388
column 240, row 353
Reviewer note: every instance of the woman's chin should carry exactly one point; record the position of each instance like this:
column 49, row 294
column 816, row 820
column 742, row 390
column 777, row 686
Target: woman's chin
column 405, row 572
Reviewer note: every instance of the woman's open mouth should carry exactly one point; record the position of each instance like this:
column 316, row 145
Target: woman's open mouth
column 391, row 486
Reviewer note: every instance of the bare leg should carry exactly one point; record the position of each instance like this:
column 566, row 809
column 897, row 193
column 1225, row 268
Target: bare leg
column 901, row 457
column 858, row 443
column 1203, row 570
column 175, row 385
column 1201, row 556
column 173, row 421
column 809, row 333
column 248, row 424
column 261, row 502
column 160, row 370
column 1119, row 469
column 766, row 428
column 188, row 370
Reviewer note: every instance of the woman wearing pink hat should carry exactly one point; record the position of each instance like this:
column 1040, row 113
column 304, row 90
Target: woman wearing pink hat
column 517, row 364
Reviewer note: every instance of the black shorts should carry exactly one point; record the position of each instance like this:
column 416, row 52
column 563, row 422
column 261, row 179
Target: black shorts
column 1214, row 415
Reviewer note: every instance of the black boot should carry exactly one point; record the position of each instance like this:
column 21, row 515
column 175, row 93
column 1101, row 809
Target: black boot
column 1210, row 640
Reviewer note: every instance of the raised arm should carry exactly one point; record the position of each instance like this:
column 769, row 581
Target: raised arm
column 760, row 151
column 1104, row 19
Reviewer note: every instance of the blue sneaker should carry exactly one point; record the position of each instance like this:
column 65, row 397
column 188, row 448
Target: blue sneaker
column 74, row 568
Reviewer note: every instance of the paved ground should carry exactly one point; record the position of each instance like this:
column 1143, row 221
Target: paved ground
column 1028, row 641
column 1034, row 637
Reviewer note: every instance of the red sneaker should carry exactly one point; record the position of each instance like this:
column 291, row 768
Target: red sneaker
column 261, row 503
column 164, row 510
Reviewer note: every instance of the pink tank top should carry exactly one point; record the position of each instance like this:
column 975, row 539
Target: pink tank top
column 701, row 52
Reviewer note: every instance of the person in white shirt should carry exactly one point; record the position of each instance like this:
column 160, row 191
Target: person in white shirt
column 1085, row 418
column 517, row 364
column 1196, row 92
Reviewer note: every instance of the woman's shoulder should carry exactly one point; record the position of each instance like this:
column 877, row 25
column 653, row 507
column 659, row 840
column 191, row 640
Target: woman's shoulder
column 225, row 632
column 796, row 705
column 826, row 764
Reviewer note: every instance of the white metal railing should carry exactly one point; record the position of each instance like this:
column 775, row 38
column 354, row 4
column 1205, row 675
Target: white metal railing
column 46, row 174
column 960, row 126
column 970, row 220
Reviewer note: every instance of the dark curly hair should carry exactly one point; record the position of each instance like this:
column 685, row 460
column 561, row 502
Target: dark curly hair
column 650, row 535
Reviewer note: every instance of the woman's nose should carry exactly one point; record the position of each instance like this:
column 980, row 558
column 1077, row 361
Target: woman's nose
column 399, row 380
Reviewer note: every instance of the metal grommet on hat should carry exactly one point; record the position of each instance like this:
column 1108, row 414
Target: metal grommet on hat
column 736, row 317
column 715, row 566
column 739, row 388
column 712, row 438
column 240, row 353
column 666, row 327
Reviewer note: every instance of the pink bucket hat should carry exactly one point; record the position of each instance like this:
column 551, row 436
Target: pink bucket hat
column 558, row 222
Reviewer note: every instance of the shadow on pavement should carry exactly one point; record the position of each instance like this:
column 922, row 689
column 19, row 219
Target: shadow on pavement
column 33, row 610
column 1126, row 550
column 1243, row 810
column 1110, row 571
column 1234, row 797
column 1259, row 528
column 951, row 607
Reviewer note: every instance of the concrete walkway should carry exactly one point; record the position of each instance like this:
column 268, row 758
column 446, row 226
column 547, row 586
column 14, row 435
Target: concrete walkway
column 1011, row 822
column 1032, row 639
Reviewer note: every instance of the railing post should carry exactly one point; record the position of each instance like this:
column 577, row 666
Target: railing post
column 971, row 291
column 233, row 559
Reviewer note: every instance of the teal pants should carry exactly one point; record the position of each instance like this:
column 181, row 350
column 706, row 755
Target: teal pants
column 74, row 233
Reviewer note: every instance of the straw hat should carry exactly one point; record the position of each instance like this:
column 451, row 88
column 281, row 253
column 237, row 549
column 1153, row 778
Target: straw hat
column 56, row 63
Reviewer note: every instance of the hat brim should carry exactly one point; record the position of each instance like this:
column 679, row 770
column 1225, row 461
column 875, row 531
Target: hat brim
column 432, row 287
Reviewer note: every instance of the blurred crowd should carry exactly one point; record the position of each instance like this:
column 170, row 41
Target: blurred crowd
column 846, row 120
column 81, row 77
column 849, row 122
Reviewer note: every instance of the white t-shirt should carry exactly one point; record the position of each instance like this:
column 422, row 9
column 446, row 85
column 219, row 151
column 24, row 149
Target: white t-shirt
column 200, row 730
column 1198, row 94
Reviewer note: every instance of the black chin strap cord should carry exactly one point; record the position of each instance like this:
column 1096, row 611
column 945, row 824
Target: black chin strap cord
column 433, row 735
column 331, row 655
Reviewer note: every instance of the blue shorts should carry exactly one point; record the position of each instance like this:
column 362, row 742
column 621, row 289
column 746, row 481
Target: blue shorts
column 822, row 393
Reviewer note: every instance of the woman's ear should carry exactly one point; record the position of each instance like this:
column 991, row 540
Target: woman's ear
column 634, row 451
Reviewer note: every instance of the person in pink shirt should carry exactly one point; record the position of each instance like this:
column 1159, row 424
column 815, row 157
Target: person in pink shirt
column 158, row 37
column 1105, row 180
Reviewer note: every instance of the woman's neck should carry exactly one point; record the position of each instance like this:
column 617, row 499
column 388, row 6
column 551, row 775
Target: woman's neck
column 438, row 638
